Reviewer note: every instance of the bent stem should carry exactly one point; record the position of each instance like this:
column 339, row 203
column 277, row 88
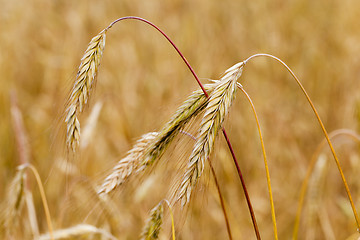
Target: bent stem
column 43, row 197
column 322, row 127
column 172, row 219
column 265, row 161
column 221, row 200
column 304, row 186
column 206, row 94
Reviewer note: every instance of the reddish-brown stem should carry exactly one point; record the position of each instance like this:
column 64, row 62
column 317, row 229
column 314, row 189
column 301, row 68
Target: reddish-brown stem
column 221, row 200
column 207, row 95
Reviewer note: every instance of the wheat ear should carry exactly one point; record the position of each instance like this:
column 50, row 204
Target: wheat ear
column 220, row 99
column 85, row 80
column 127, row 165
column 153, row 224
column 152, row 145
column 190, row 108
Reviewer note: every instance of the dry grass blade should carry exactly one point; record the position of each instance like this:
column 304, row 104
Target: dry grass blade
column 128, row 165
column 77, row 231
column 153, row 224
column 85, row 80
column 217, row 108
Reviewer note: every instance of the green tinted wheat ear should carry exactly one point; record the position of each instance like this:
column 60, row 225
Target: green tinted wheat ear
column 219, row 101
column 85, row 80
column 128, row 165
column 191, row 107
column 151, row 146
column 153, row 224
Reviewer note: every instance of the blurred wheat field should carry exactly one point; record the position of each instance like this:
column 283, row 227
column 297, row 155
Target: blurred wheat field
column 141, row 82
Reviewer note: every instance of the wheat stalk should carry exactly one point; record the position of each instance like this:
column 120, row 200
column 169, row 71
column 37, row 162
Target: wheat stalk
column 85, row 80
column 153, row 224
column 220, row 99
column 127, row 165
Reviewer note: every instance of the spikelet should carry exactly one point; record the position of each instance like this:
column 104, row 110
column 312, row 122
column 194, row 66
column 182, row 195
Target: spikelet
column 127, row 165
column 85, row 80
column 217, row 108
column 153, row 224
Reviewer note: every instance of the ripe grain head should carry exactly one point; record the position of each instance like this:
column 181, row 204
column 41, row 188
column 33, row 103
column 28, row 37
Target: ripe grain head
column 128, row 165
column 219, row 102
column 80, row 93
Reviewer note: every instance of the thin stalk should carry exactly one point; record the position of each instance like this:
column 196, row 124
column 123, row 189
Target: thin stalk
column 43, row 198
column 207, row 95
column 322, row 127
column 172, row 219
column 332, row 135
column 265, row 161
column 221, row 200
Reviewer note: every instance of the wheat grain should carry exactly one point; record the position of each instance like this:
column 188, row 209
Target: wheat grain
column 85, row 80
column 153, row 224
column 220, row 99
column 127, row 165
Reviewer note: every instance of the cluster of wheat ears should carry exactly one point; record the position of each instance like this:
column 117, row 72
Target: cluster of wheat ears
column 211, row 103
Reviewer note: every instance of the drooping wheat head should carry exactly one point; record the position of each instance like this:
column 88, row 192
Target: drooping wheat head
column 190, row 108
column 219, row 102
column 153, row 224
column 85, row 80
column 152, row 145
column 127, row 165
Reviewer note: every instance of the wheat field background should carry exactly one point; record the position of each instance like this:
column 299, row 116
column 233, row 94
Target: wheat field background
column 142, row 81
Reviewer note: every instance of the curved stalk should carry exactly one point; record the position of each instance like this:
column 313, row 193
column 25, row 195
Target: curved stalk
column 304, row 186
column 43, row 197
column 172, row 219
column 322, row 127
column 265, row 161
column 252, row 214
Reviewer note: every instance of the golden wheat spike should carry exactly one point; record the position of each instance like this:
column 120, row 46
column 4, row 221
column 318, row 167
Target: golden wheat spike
column 128, row 165
column 83, row 85
column 219, row 102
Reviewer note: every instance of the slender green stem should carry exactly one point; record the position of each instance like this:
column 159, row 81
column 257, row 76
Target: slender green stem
column 322, row 127
column 265, row 161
